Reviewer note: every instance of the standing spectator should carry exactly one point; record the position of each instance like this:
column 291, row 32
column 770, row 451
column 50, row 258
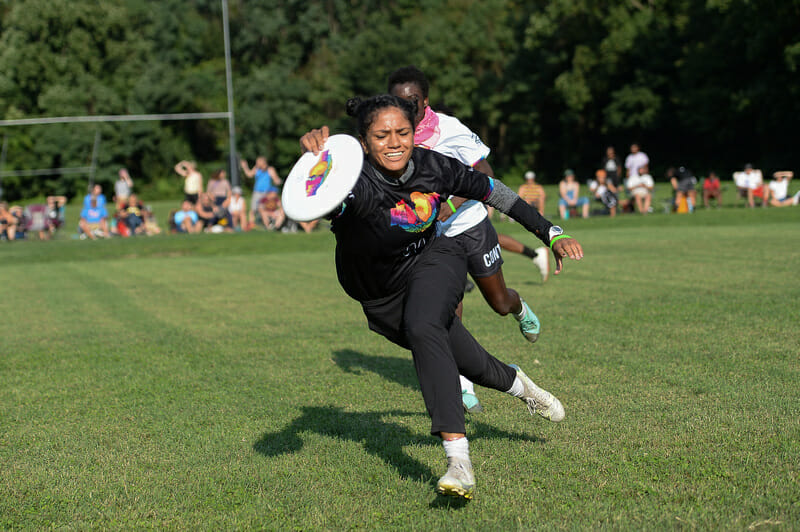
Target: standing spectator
column 750, row 185
column 569, row 191
column 94, row 220
column 267, row 181
column 712, row 189
column 779, row 190
column 122, row 188
column 684, row 183
column 237, row 208
column 532, row 192
column 635, row 160
column 613, row 166
column 640, row 188
column 219, row 188
column 192, row 180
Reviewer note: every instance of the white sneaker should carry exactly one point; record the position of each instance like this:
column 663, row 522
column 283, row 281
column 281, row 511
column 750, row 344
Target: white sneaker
column 459, row 481
column 540, row 401
column 542, row 261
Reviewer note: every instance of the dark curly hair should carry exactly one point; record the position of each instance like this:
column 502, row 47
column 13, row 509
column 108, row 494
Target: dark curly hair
column 364, row 110
column 409, row 74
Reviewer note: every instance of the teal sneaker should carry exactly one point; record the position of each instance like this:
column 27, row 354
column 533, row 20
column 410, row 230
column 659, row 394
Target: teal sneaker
column 539, row 401
column 529, row 324
column 470, row 402
column 459, row 481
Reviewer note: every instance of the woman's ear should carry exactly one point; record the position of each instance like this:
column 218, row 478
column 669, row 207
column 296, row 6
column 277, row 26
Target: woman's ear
column 363, row 145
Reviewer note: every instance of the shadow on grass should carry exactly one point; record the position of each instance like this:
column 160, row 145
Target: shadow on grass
column 380, row 438
column 399, row 370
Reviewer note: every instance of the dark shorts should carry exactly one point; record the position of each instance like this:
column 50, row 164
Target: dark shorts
column 482, row 248
column 192, row 198
column 687, row 184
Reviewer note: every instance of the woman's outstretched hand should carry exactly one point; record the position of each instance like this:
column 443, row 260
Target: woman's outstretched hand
column 566, row 247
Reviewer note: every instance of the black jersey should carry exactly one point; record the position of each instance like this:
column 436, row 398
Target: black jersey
column 384, row 226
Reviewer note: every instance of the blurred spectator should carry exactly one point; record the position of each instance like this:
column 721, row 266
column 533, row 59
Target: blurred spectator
column 271, row 212
column 238, row 210
column 267, row 181
column 94, row 220
column 569, row 191
column 712, row 189
column 309, row 226
column 186, row 219
column 613, row 166
column 97, row 193
column 132, row 216
column 683, row 184
column 779, row 190
column 122, row 188
column 56, row 213
column 192, row 180
column 604, row 192
column 219, row 188
column 150, row 223
column 635, row 160
column 640, row 188
column 750, row 185
column 532, row 192
column 10, row 221
column 206, row 211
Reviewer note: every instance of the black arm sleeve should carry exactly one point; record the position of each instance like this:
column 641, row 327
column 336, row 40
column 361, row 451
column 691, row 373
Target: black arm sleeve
column 508, row 202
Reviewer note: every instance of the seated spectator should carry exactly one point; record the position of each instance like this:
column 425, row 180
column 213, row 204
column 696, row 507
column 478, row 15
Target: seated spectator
column 56, row 212
column 309, row 226
column 150, row 223
column 640, row 187
column 271, row 211
column 94, row 220
column 10, row 221
column 95, row 192
column 750, row 185
column 779, row 190
column 237, row 207
column 132, row 215
column 122, row 188
column 186, row 219
column 712, row 189
column 532, row 192
column 569, row 191
column 683, row 184
column 206, row 211
column 604, row 192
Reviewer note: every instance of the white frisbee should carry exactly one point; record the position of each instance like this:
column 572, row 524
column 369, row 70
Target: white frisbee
column 319, row 183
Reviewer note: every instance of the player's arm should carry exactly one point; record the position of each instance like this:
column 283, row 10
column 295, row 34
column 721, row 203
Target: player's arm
column 482, row 166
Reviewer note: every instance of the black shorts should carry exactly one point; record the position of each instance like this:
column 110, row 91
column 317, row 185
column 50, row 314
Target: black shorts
column 191, row 198
column 687, row 184
column 482, row 248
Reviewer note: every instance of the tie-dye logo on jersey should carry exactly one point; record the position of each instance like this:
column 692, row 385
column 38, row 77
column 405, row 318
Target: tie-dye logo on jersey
column 419, row 217
column 318, row 173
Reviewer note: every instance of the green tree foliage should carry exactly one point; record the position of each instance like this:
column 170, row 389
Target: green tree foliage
column 547, row 84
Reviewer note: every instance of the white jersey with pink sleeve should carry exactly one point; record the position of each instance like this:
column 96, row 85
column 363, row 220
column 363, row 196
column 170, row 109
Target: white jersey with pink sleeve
column 454, row 139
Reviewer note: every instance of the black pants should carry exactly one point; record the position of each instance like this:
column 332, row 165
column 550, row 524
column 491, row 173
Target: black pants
column 422, row 318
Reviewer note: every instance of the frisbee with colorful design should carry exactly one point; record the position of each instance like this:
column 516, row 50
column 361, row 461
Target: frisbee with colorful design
column 319, row 183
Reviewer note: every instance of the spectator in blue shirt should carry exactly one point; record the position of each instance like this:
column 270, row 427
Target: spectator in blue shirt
column 94, row 220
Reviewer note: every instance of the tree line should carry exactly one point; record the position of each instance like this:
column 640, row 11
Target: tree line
column 708, row 84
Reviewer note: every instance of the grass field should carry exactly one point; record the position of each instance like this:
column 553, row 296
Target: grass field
column 226, row 382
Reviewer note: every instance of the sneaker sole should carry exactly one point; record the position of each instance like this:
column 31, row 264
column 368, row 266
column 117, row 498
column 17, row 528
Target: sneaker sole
column 455, row 491
column 477, row 409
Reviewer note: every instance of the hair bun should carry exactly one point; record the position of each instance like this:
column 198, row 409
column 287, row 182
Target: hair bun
column 351, row 108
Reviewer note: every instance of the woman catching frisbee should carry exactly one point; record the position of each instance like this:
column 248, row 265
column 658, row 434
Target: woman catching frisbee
column 409, row 282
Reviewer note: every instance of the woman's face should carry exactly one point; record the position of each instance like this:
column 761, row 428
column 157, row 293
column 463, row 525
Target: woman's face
column 389, row 141
column 410, row 91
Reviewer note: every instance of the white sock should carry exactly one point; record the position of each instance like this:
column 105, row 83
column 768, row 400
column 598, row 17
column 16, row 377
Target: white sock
column 796, row 199
column 517, row 388
column 466, row 385
column 521, row 314
column 456, row 448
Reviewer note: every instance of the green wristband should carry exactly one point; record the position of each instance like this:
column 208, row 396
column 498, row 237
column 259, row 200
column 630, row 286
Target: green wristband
column 559, row 237
column 451, row 205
